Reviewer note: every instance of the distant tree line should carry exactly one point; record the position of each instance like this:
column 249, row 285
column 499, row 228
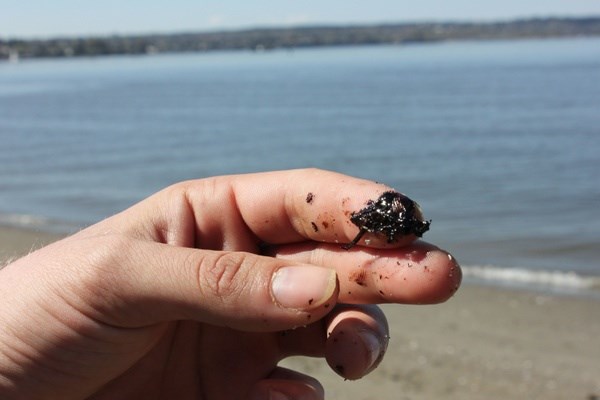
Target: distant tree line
column 296, row 37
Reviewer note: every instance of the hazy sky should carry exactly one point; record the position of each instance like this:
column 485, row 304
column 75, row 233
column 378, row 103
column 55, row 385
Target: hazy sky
column 39, row 18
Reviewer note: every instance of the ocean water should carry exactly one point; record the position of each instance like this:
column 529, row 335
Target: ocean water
column 498, row 141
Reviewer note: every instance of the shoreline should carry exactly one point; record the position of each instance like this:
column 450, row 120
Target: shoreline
column 260, row 39
column 486, row 342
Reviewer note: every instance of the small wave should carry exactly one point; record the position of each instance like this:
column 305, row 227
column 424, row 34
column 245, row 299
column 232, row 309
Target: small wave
column 23, row 220
column 529, row 277
column 29, row 221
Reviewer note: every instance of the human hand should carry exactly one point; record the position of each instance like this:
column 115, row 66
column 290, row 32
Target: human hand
column 200, row 290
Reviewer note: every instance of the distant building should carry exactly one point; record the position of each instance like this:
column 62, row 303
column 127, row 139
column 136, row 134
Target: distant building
column 13, row 56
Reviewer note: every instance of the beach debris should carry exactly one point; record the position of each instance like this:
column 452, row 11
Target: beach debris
column 392, row 215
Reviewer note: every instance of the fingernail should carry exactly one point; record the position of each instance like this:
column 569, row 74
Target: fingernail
column 274, row 395
column 374, row 348
column 303, row 287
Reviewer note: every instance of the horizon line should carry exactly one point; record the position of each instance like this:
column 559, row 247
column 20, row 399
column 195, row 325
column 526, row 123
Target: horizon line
column 267, row 26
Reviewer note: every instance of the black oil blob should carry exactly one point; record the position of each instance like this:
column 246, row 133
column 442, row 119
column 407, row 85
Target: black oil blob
column 392, row 215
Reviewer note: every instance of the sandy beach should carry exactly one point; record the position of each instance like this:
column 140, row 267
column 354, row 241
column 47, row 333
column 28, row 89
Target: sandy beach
column 16, row 242
column 485, row 343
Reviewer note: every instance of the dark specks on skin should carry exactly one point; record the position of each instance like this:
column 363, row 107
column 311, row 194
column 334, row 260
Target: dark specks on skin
column 310, row 197
column 314, row 226
column 325, row 220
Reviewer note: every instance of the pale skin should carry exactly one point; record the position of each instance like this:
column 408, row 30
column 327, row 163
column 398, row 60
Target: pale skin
column 200, row 290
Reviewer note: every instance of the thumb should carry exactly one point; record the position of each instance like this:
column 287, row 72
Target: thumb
column 148, row 282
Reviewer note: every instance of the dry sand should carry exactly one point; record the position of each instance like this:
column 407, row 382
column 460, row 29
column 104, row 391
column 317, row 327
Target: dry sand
column 485, row 343
column 15, row 242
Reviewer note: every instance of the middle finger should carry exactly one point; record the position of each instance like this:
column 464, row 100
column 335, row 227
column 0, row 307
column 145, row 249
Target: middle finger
column 419, row 273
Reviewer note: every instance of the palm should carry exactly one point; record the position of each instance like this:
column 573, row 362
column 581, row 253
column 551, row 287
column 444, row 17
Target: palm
column 197, row 361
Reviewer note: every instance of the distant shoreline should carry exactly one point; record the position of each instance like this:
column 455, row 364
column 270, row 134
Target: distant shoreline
column 262, row 39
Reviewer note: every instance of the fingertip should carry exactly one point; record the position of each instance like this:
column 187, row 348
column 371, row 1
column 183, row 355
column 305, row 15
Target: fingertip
column 440, row 277
column 454, row 276
column 356, row 342
column 284, row 384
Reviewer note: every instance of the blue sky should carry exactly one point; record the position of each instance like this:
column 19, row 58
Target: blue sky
column 39, row 18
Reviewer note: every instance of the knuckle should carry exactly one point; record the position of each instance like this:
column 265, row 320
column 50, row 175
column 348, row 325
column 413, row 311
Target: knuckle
column 223, row 276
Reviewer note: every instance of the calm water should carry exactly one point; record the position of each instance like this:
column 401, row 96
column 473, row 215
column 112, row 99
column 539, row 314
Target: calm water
column 498, row 141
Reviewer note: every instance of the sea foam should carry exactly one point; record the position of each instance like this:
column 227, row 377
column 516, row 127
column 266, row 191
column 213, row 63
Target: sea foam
column 35, row 222
column 543, row 279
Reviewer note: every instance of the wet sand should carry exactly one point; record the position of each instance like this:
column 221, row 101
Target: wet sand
column 485, row 343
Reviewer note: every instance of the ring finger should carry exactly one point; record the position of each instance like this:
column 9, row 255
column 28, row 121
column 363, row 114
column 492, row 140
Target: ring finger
column 352, row 338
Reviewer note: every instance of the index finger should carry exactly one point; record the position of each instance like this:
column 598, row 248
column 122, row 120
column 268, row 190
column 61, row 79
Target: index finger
column 291, row 206
column 237, row 212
